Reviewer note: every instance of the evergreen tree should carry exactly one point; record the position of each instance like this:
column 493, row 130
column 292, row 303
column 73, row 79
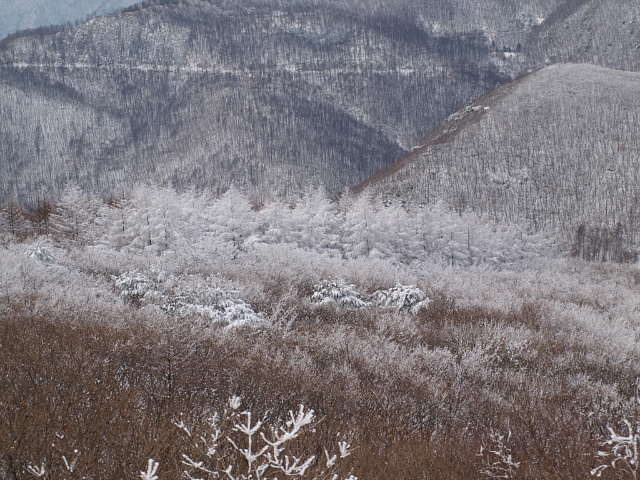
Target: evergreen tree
column 12, row 220
column 275, row 223
column 317, row 221
column 73, row 217
column 361, row 228
column 232, row 218
column 112, row 218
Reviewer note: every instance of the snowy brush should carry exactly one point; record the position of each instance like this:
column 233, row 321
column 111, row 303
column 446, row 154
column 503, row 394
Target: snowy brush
column 174, row 296
column 41, row 253
column 339, row 293
column 497, row 459
column 622, row 452
column 234, row 446
column 407, row 298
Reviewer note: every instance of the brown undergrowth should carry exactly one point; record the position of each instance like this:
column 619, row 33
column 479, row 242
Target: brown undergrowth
column 418, row 397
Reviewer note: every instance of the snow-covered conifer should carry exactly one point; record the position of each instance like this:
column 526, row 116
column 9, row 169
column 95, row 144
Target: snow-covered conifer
column 396, row 235
column 407, row 298
column 275, row 223
column 232, row 218
column 73, row 217
column 112, row 220
column 339, row 293
column 361, row 228
column 317, row 221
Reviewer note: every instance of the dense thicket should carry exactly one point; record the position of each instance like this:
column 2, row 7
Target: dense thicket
column 106, row 347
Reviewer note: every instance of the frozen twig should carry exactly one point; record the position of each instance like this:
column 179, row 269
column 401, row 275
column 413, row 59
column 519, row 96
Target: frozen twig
column 152, row 468
column 252, row 456
column 622, row 451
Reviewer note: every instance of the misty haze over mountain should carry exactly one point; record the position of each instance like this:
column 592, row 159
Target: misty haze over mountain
column 29, row 14
column 271, row 96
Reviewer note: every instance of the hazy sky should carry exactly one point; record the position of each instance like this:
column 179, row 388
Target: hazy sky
column 20, row 14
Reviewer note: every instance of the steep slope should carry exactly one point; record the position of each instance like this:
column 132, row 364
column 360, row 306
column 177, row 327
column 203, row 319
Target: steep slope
column 558, row 148
column 198, row 93
column 268, row 94
column 28, row 14
column 591, row 31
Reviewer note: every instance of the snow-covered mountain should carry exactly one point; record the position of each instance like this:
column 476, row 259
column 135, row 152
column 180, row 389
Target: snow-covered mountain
column 268, row 95
column 558, row 148
column 198, row 93
column 29, row 14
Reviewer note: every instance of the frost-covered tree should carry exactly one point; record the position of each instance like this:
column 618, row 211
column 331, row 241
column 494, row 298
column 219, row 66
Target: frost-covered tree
column 12, row 220
column 275, row 223
column 317, row 221
column 193, row 223
column 361, row 228
column 232, row 218
column 150, row 218
column 339, row 293
column 143, row 222
column 39, row 216
column 398, row 238
column 407, row 298
column 465, row 238
column 112, row 220
column 73, row 217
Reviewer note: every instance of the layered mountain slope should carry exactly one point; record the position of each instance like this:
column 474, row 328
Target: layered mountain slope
column 26, row 14
column 270, row 95
column 591, row 31
column 558, row 148
column 195, row 93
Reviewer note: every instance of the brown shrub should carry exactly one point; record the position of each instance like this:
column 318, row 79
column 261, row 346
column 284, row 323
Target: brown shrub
column 113, row 391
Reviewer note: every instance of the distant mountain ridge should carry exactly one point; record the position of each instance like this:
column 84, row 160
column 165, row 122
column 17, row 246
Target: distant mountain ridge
column 268, row 95
column 32, row 14
column 557, row 149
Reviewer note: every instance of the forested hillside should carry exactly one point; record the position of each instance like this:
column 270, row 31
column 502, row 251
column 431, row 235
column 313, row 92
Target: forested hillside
column 30, row 14
column 137, row 336
column 194, row 93
column 557, row 149
column 271, row 96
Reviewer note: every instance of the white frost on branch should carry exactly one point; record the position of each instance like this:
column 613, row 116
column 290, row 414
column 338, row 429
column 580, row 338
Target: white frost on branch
column 152, row 468
column 498, row 461
column 622, row 451
column 406, row 298
column 339, row 293
column 256, row 455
